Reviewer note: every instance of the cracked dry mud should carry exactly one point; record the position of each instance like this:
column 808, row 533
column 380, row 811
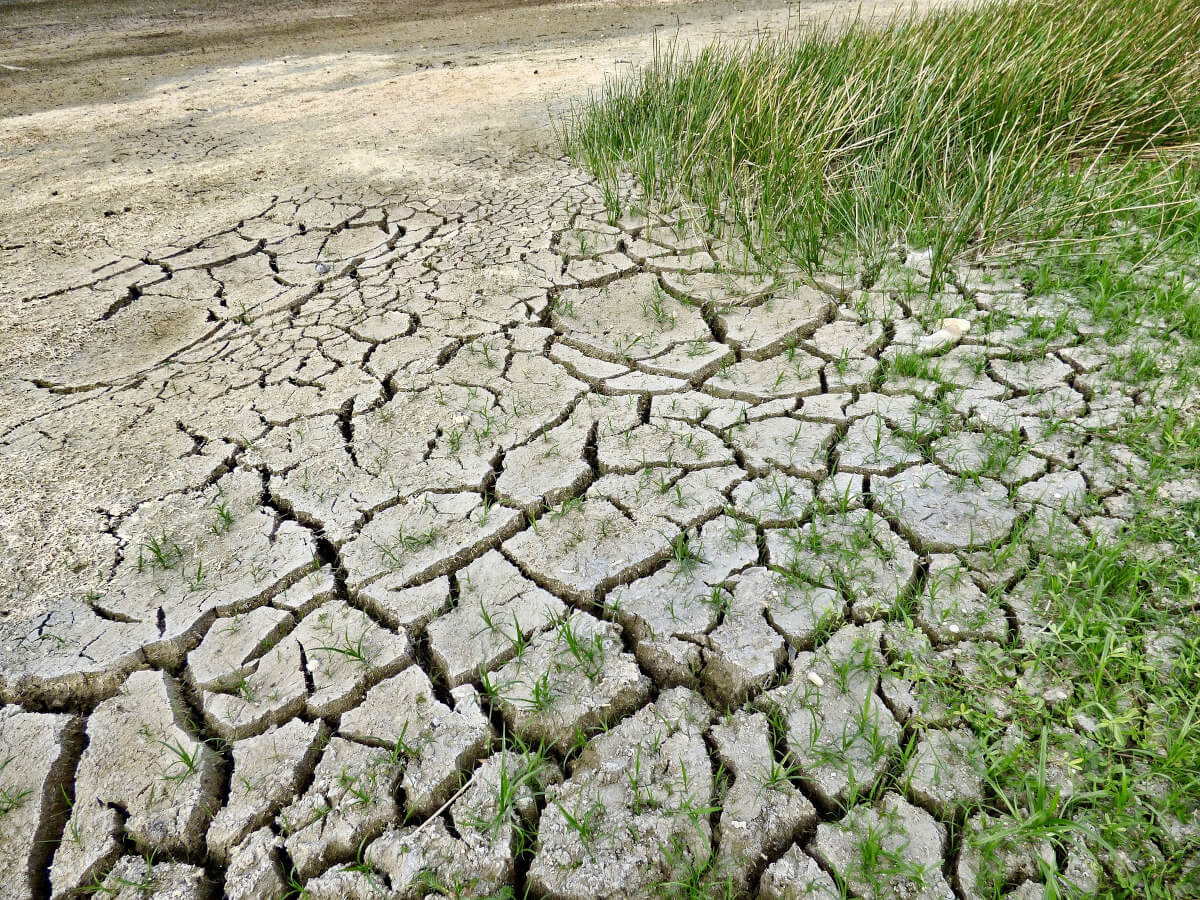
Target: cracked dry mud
column 402, row 488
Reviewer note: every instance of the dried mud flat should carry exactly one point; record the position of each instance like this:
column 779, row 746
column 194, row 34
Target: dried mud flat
column 455, row 539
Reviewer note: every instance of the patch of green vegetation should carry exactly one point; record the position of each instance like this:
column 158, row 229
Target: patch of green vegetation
column 997, row 124
column 1097, row 742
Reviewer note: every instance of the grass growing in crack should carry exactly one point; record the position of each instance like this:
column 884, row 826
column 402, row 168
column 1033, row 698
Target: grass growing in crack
column 1030, row 121
column 589, row 653
column 184, row 763
column 12, row 798
column 351, row 648
column 111, row 885
column 584, row 822
column 684, row 555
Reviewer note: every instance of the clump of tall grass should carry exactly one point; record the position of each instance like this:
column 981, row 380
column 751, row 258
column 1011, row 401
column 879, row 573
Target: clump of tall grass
column 960, row 130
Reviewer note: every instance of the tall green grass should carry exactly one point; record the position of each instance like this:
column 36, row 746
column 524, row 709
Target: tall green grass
column 994, row 124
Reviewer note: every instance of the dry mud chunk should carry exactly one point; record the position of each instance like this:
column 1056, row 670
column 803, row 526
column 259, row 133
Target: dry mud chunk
column 685, row 498
column 796, row 609
column 1039, row 374
column 480, row 859
column 1051, row 531
column 906, row 684
column 998, row 455
column 720, row 289
column 323, row 666
column 341, row 883
column 781, row 443
column 582, row 547
column 580, row 243
column 254, row 872
column 425, row 536
column 839, row 733
column 790, row 374
column 694, row 361
column 405, row 607
column 383, row 326
column 330, row 492
column 144, row 776
column 912, row 845
column 825, row 407
column 631, row 318
column 946, row 772
column 871, row 447
column 548, row 469
column 842, row 491
column 774, row 499
column 997, row 567
column 796, row 876
column 267, row 771
column 534, row 395
column 848, row 340
column 635, row 789
column 667, row 613
column 351, row 800
column 664, row 443
column 36, row 755
column 688, row 263
column 851, row 374
column 762, row 810
column 71, row 654
column 137, row 877
column 993, row 855
column 570, row 679
column 232, row 643
column 951, row 608
column 308, row 593
column 695, row 407
column 743, row 652
column 764, row 330
column 856, row 552
column 942, row 514
column 598, row 271
column 1057, row 403
column 902, row 412
column 583, row 366
column 644, row 383
column 198, row 555
column 434, row 741
column 497, row 608
column 1062, row 491
column 1083, row 873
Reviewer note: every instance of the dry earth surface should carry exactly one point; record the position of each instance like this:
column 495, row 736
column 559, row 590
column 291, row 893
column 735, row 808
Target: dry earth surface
column 370, row 498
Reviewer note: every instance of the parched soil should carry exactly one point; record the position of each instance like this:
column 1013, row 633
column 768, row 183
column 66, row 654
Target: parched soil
column 382, row 519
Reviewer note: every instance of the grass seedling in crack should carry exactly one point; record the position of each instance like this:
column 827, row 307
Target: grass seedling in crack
column 588, row 653
column 585, row 823
column 685, row 555
column 185, row 761
column 11, row 798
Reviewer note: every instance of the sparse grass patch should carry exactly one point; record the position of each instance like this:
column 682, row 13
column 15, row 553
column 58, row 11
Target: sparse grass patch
column 1112, row 760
